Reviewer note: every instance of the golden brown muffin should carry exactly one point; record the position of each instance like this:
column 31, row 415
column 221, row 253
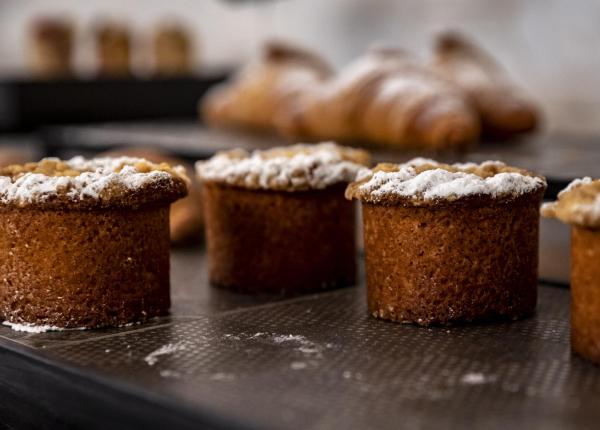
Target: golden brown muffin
column 263, row 89
column 579, row 205
column 186, row 221
column 172, row 50
column 505, row 110
column 384, row 97
column 85, row 243
column 113, row 49
column 50, row 47
column 450, row 243
column 276, row 221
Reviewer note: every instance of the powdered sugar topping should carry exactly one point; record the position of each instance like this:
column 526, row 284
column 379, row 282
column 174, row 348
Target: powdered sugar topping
column 578, row 203
column 82, row 179
column 423, row 180
column 293, row 168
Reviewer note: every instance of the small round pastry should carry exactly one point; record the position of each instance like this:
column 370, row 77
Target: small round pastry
column 172, row 50
column 113, row 49
column 450, row 243
column 276, row 221
column 579, row 205
column 51, row 46
column 85, row 243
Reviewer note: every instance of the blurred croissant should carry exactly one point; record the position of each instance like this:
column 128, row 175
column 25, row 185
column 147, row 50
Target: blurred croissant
column 503, row 108
column 262, row 89
column 384, row 97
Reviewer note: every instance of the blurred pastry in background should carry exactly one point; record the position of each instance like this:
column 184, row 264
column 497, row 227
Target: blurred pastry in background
column 113, row 48
column 51, row 46
column 186, row 222
column 504, row 108
column 384, row 97
column 264, row 88
column 172, row 50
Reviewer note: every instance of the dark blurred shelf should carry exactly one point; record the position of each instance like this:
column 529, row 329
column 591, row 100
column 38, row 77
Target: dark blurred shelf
column 26, row 104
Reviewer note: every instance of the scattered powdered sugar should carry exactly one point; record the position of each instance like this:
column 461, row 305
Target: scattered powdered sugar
column 170, row 348
column 476, row 378
column 222, row 376
column 32, row 328
column 166, row 373
column 439, row 183
column 298, row 365
column 310, row 352
column 298, row 167
column 97, row 176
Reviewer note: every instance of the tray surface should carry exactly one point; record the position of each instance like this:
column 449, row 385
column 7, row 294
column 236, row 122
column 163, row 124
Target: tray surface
column 321, row 361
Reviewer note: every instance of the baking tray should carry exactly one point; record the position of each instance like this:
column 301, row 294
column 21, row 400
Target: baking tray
column 561, row 158
column 223, row 360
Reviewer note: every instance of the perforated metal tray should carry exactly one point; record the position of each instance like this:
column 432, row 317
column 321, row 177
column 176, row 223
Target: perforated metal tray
column 317, row 362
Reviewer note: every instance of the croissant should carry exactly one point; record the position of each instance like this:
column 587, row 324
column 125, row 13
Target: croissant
column 503, row 107
column 262, row 89
column 384, row 97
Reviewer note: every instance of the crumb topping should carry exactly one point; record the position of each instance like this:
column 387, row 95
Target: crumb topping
column 105, row 181
column 291, row 168
column 422, row 181
column 578, row 204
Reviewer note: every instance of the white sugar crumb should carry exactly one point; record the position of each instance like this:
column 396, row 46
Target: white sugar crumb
column 97, row 177
column 441, row 184
column 298, row 365
column 166, row 373
column 32, row 328
column 476, row 378
column 170, row 348
column 298, row 167
column 222, row 376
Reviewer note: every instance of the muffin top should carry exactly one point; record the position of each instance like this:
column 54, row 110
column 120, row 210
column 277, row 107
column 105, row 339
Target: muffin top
column 578, row 204
column 290, row 168
column 421, row 182
column 94, row 183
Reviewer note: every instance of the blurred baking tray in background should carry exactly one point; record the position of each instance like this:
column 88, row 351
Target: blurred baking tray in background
column 560, row 158
column 223, row 360
column 27, row 104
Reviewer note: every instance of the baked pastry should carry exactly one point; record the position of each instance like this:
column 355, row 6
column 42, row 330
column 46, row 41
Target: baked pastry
column 186, row 221
column 276, row 221
column 172, row 50
column 263, row 89
column 113, row 49
column 85, row 243
column 579, row 205
column 51, row 46
column 504, row 108
column 450, row 243
column 385, row 97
